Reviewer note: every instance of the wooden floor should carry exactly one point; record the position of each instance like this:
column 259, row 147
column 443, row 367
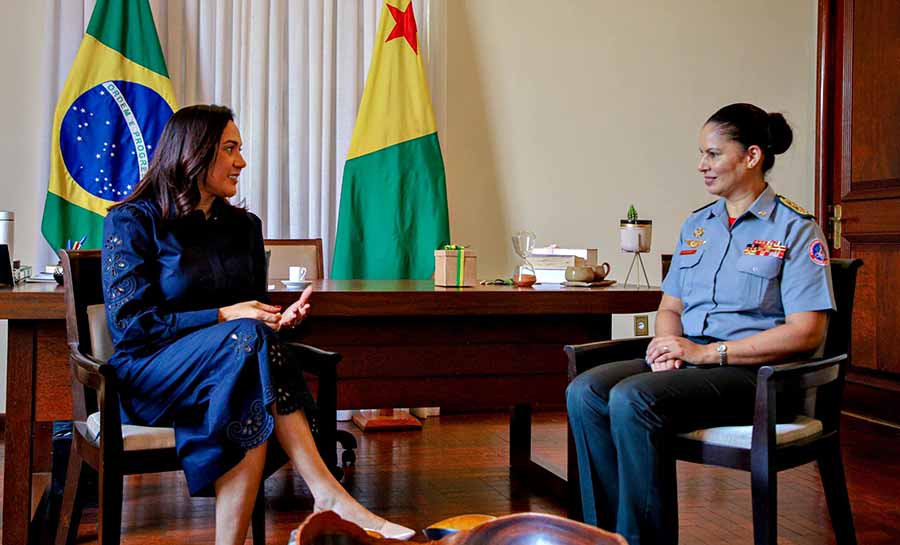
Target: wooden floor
column 458, row 464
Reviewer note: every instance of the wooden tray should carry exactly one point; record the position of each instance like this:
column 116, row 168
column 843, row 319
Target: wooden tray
column 599, row 284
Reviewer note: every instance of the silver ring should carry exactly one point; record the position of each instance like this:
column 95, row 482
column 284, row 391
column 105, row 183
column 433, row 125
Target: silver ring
column 665, row 349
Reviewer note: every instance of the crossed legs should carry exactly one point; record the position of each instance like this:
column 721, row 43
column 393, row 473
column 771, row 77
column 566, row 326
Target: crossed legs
column 236, row 490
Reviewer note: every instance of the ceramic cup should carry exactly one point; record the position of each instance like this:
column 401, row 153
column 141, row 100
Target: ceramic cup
column 296, row 274
column 601, row 271
column 579, row 274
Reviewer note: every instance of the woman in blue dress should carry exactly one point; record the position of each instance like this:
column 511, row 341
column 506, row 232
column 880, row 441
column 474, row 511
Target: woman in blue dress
column 197, row 346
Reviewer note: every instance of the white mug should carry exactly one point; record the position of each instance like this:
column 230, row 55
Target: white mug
column 296, row 274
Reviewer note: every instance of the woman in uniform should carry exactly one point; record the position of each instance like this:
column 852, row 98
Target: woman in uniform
column 749, row 285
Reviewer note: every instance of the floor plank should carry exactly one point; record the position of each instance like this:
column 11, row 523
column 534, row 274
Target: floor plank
column 458, row 464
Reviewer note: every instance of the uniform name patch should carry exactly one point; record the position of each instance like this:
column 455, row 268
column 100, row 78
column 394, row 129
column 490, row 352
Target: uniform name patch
column 687, row 252
column 817, row 253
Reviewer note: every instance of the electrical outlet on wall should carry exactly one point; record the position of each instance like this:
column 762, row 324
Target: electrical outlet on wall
column 641, row 325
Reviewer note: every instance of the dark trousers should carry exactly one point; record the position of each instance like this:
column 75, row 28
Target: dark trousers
column 623, row 418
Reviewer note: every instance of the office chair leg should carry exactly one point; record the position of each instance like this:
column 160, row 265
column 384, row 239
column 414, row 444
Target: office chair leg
column 258, row 517
column 109, row 515
column 764, row 488
column 831, row 469
column 77, row 474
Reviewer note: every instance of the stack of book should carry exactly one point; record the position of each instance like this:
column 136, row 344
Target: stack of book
column 550, row 262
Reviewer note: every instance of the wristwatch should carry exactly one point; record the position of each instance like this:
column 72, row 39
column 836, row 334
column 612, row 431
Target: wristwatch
column 722, row 349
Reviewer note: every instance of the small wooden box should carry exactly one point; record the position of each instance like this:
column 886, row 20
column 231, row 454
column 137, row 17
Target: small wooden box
column 448, row 263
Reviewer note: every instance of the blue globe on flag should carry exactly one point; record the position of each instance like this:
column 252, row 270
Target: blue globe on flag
column 107, row 145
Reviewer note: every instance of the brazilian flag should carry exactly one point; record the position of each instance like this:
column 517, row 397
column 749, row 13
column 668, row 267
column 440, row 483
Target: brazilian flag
column 111, row 112
column 393, row 212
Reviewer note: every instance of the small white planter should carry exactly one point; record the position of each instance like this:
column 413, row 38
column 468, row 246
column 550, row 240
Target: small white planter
column 635, row 235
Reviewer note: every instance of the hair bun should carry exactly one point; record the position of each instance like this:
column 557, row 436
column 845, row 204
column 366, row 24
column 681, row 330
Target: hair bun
column 780, row 134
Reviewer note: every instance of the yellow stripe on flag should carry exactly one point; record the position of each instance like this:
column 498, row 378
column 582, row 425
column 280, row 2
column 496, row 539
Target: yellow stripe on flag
column 95, row 64
column 396, row 104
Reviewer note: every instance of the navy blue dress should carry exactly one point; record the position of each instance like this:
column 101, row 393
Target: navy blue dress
column 215, row 383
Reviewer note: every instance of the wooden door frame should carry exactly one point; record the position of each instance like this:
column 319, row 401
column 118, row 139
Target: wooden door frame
column 824, row 83
column 832, row 86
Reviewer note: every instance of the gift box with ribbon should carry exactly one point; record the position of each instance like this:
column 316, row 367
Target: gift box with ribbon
column 455, row 266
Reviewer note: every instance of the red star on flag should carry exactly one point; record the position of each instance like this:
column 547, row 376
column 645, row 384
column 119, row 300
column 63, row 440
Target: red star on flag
column 405, row 26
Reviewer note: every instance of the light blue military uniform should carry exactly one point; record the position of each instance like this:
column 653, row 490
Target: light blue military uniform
column 744, row 280
column 733, row 283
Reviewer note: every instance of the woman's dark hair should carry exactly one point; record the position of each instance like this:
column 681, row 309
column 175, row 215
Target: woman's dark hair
column 184, row 154
column 750, row 125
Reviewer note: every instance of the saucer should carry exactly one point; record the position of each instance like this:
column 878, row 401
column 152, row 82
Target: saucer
column 597, row 284
column 295, row 285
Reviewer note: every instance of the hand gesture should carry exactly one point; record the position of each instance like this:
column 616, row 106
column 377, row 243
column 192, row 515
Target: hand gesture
column 297, row 312
column 268, row 314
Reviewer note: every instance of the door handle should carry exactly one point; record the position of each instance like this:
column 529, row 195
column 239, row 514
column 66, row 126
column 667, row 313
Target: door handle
column 834, row 219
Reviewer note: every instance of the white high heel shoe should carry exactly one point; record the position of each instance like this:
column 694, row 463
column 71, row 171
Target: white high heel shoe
column 394, row 531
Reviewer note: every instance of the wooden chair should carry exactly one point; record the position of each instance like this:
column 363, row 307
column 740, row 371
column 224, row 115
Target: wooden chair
column 100, row 442
column 765, row 448
column 307, row 252
column 665, row 261
column 301, row 252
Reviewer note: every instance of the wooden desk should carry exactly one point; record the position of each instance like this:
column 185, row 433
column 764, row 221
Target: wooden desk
column 405, row 344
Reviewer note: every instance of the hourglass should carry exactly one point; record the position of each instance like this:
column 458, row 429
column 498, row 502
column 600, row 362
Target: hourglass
column 524, row 275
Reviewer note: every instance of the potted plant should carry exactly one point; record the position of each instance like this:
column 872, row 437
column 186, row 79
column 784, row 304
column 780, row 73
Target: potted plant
column 634, row 233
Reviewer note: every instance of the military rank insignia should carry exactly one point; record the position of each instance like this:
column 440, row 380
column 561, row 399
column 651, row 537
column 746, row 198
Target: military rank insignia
column 771, row 248
column 698, row 232
column 794, row 206
column 692, row 246
column 817, row 253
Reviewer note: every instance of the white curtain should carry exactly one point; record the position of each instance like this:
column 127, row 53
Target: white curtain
column 292, row 70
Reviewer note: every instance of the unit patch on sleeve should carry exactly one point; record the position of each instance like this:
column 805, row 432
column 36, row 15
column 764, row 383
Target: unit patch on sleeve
column 817, row 253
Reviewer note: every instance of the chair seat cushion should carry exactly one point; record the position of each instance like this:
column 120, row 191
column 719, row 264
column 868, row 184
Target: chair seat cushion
column 740, row 436
column 135, row 437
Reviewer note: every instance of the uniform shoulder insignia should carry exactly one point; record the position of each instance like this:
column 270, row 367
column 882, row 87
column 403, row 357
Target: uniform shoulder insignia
column 704, row 206
column 795, row 207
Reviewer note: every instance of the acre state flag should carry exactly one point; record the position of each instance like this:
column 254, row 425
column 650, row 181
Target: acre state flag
column 393, row 211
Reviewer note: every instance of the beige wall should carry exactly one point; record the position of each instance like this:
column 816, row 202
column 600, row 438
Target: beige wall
column 562, row 113
column 23, row 146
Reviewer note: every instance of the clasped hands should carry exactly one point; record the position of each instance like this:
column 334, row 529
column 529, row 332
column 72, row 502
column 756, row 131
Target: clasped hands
column 271, row 315
column 670, row 352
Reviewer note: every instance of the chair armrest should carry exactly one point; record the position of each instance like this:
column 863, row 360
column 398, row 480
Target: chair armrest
column 583, row 357
column 770, row 379
column 89, row 371
column 802, row 374
column 314, row 360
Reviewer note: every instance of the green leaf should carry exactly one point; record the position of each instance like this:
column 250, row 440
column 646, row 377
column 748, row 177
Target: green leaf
column 632, row 213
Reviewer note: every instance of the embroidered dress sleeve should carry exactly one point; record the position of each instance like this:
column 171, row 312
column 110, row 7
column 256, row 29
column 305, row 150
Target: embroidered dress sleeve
column 806, row 274
column 130, row 285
